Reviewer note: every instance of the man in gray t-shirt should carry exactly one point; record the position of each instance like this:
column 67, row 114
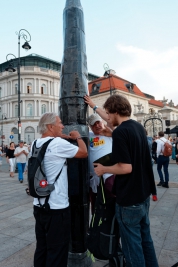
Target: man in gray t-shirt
column 21, row 153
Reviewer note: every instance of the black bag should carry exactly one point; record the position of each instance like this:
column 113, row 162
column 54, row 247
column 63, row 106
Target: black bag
column 175, row 265
column 37, row 181
column 103, row 235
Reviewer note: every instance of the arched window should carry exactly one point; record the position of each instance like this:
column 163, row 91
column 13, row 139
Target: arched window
column 29, row 110
column 0, row 92
column 43, row 89
column 16, row 88
column 43, row 109
column 16, row 111
column 0, row 112
column 29, row 88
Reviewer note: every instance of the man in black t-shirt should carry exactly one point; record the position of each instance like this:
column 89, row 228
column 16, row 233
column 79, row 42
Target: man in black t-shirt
column 134, row 182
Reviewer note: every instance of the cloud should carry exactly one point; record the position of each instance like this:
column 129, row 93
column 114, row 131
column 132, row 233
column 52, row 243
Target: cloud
column 154, row 72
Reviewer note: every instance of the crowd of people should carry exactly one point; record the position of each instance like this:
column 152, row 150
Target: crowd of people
column 129, row 179
column 16, row 155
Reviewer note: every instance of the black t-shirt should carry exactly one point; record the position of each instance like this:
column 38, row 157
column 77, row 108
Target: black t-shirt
column 10, row 153
column 130, row 146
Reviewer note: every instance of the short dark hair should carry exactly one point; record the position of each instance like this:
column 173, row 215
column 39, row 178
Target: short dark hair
column 118, row 104
column 161, row 133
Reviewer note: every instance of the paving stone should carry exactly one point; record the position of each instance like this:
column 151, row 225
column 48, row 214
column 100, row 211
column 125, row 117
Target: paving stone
column 24, row 215
column 158, row 236
column 28, row 235
column 23, row 258
column 174, row 224
column 10, row 246
column 167, row 258
column 171, row 241
column 163, row 211
column 160, row 222
column 18, row 228
column 10, row 222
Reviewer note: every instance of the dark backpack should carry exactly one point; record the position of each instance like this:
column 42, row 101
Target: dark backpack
column 37, row 181
column 103, row 234
column 167, row 149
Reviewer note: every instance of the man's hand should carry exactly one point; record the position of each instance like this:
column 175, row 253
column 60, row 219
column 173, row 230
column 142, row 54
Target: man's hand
column 74, row 135
column 106, row 131
column 89, row 101
column 99, row 169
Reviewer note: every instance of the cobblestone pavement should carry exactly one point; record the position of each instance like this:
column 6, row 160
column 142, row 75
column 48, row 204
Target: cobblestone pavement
column 17, row 237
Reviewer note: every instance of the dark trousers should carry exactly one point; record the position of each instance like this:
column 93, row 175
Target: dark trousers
column 52, row 234
column 163, row 162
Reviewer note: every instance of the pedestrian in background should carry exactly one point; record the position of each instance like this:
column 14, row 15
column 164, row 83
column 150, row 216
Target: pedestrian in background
column 21, row 153
column 162, row 161
column 11, row 158
column 1, row 155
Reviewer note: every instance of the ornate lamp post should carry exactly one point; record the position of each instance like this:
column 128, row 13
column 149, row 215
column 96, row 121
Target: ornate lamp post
column 3, row 117
column 153, row 121
column 27, row 37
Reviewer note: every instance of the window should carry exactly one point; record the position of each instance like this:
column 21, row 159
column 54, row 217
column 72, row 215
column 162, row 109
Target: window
column 43, row 89
column 173, row 117
column 43, row 109
column 16, row 89
column 29, row 88
column 29, row 110
column 0, row 92
column 16, row 111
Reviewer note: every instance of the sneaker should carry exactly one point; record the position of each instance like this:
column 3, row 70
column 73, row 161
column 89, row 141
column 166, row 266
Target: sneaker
column 160, row 183
column 21, row 181
column 154, row 197
column 165, row 184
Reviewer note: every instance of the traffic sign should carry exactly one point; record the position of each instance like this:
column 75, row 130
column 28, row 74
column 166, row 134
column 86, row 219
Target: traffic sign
column 11, row 136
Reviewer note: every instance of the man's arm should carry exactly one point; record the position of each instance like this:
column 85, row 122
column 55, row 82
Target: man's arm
column 99, row 111
column 158, row 151
column 82, row 151
column 17, row 154
column 119, row 168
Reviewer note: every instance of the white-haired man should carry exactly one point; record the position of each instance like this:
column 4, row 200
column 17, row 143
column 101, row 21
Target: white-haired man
column 53, row 227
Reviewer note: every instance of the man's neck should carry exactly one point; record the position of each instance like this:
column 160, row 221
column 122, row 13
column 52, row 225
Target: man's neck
column 47, row 134
column 122, row 119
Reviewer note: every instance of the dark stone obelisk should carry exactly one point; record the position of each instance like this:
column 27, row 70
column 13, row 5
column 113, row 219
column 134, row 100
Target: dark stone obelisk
column 72, row 111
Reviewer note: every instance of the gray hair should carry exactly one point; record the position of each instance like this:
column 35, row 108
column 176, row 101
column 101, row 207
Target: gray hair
column 46, row 118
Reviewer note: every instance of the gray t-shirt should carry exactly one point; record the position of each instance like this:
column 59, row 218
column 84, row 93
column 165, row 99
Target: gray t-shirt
column 22, row 157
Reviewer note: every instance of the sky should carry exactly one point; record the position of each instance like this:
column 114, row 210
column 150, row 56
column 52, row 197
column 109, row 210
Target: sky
column 138, row 39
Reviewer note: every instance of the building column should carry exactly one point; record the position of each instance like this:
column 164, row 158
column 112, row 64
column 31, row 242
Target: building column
column 11, row 110
column 39, row 108
column 34, row 91
column 23, row 108
column 35, row 108
column 48, row 91
column 23, row 87
column 11, row 87
column 39, row 87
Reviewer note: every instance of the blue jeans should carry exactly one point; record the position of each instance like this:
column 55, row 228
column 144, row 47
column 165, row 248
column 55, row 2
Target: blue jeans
column 163, row 161
column 21, row 167
column 135, row 235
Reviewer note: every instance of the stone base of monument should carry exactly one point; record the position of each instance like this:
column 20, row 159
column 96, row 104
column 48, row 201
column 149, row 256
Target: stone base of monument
column 79, row 260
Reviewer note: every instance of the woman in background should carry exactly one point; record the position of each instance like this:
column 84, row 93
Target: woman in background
column 11, row 158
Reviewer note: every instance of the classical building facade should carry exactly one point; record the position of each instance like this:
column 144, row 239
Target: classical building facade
column 39, row 86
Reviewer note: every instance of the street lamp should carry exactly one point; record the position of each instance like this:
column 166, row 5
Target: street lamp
column 153, row 120
column 2, row 135
column 27, row 37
